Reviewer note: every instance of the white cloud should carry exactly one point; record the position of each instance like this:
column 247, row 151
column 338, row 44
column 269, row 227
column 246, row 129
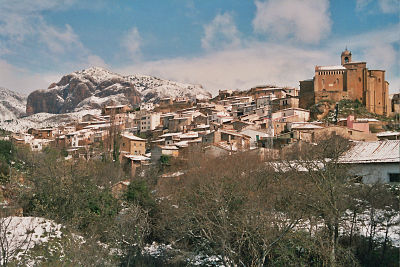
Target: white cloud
column 390, row 6
column 378, row 49
column 385, row 6
column 260, row 63
column 24, row 81
column 361, row 4
column 276, row 63
column 132, row 42
column 307, row 21
column 24, row 30
column 57, row 40
column 94, row 60
column 220, row 33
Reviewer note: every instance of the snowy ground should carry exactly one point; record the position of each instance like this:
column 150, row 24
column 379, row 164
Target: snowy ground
column 19, row 234
column 41, row 120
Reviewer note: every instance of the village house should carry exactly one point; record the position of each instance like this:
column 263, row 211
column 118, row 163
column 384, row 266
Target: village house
column 21, row 138
column 242, row 141
column 285, row 103
column 43, row 133
column 134, row 162
column 351, row 134
column 255, row 136
column 149, row 121
column 388, row 135
column 112, row 110
column 132, row 145
column 168, row 150
column 395, row 104
column 373, row 162
column 291, row 115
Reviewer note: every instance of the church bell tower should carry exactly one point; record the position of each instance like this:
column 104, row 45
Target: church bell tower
column 346, row 56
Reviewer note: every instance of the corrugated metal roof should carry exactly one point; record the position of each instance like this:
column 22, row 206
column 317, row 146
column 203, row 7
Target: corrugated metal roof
column 372, row 152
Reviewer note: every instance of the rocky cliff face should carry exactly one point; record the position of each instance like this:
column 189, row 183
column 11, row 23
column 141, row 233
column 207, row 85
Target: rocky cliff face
column 84, row 89
column 94, row 87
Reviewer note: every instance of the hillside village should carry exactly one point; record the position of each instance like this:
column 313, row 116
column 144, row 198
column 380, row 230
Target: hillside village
column 265, row 119
column 168, row 182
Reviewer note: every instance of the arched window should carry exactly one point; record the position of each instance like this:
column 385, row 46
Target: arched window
column 323, row 81
column 337, row 81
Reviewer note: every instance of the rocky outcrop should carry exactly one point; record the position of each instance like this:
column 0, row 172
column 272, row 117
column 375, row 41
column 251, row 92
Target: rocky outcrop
column 94, row 87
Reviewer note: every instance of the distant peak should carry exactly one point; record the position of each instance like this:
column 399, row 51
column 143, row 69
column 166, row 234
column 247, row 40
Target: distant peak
column 95, row 70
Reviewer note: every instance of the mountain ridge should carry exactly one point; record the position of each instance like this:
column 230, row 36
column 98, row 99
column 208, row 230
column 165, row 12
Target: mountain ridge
column 94, row 87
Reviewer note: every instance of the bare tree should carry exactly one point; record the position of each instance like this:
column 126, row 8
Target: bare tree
column 15, row 238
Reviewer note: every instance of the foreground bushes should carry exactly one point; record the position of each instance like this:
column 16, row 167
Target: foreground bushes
column 241, row 209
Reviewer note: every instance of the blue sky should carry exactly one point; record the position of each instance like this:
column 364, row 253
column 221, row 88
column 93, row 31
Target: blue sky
column 220, row 44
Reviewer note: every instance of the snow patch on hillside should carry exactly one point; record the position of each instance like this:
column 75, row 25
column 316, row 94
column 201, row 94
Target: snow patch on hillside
column 42, row 120
column 12, row 105
column 20, row 234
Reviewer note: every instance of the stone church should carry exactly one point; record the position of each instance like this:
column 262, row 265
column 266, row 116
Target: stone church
column 350, row 80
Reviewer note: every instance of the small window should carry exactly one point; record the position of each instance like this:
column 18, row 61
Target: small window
column 359, row 79
column 394, row 177
column 134, row 144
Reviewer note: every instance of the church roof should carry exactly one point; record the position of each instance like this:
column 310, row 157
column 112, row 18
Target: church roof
column 346, row 52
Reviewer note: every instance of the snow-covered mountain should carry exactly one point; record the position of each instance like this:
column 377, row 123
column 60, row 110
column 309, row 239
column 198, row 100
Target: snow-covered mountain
column 12, row 105
column 153, row 89
column 93, row 87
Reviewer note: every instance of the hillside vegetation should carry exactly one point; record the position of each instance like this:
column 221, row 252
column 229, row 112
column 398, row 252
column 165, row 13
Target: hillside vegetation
column 238, row 210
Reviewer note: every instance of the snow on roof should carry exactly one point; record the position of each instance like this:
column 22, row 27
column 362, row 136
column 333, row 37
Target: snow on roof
column 189, row 135
column 97, row 126
column 234, row 133
column 202, row 126
column 171, row 134
column 337, row 67
column 372, row 152
column 136, row 157
column 366, row 120
column 169, row 147
column 388, row 133
column 306, row 126
column 118, row 106
column 133, row 137
column 181, row 144
column 158, row 140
